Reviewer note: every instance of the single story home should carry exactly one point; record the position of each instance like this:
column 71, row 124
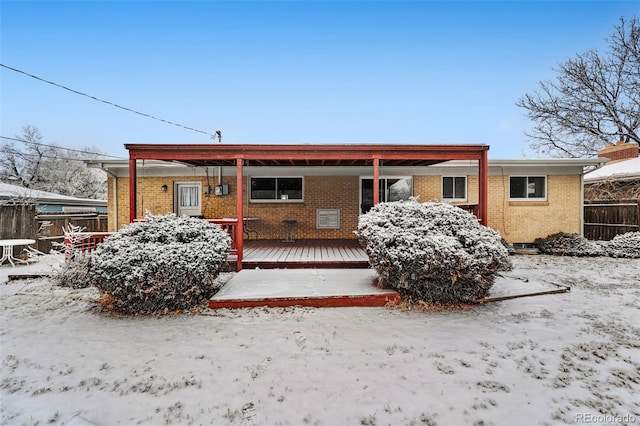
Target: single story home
column 319, row 191
column 49, row 202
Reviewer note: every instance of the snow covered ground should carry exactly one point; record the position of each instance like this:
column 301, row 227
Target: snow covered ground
column 571, row 358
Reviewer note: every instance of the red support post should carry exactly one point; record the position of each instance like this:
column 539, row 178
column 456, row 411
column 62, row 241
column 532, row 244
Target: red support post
column 376, row 181
column 133, row 198
column 483, row 188
column 239, row 212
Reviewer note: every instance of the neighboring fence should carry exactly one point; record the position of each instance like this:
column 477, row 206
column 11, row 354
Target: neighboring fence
column 18, row 222
column 51, row 226
column 24, row 221
column 603, row 220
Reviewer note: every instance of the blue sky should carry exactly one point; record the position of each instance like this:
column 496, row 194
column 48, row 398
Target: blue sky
column 420, row 72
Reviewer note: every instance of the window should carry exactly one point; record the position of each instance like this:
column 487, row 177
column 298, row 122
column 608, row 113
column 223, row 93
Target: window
column 391, row 189
column 528, row 187
column 276, row 189
column 454, row 188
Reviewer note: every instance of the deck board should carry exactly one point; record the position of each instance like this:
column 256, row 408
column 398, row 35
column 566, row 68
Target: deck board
column 304, row 253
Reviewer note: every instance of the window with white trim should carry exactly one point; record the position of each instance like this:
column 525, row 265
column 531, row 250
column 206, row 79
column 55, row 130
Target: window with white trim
column 281, row 189
column 527, row 187
column 454, row 188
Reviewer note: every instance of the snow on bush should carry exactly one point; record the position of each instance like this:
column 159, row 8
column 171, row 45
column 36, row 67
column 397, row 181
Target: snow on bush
column 166, row 263
column 567, row 244
column 624, row 245
column 75, row 270
column 74, row 273
column 433, row 252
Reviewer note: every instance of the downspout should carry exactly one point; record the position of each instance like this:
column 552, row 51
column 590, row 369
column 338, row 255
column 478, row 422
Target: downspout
column 582, row 203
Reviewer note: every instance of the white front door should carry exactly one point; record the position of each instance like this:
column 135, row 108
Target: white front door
column 188, row 199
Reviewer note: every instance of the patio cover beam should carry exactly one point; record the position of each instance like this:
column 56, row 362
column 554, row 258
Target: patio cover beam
column 334, row 154
column 266, row 154
column 376, row 181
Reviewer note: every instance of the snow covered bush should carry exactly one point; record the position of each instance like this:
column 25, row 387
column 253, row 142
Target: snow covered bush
column 166, row 263
column 74, row 273
column 566, row 244
column 624, row 245
column 433, row 252
column 75, row 270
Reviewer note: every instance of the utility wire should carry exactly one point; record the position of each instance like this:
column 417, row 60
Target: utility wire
column 53, row 157
column 59, row 147
column 211, row 135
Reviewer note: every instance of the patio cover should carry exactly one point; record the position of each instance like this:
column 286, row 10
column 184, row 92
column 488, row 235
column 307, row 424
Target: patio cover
column 308, row 155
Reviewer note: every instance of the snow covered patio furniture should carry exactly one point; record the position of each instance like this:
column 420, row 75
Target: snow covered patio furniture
column 7, row 250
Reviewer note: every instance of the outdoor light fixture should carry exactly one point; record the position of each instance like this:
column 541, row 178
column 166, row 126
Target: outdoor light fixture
column 163, row 188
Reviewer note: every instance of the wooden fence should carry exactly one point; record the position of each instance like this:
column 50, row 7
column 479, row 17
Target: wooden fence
column 603, row 220
column 24, row 221
column 51, row 226
column 18, row 222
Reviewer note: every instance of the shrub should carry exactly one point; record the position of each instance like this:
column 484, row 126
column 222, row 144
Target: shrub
column 566, row 244
column 166, row 263
column 433, row 252
column 74, row 273
column 624, row 245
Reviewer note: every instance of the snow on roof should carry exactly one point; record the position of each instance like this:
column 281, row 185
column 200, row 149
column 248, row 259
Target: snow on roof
column 620, row 169
column 8, row 191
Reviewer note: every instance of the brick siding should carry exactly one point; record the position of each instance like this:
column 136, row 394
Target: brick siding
column 517, row 221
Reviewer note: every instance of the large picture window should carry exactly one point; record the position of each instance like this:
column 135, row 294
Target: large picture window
column 454, row 188
column 528, row 187
column 391, row 189
column 276, row 189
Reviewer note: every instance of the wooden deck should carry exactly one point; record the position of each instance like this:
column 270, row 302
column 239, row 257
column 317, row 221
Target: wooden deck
column 270, row 254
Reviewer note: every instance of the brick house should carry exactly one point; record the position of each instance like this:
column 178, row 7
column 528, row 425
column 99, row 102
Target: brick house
column 325, row 188
column 619, row 179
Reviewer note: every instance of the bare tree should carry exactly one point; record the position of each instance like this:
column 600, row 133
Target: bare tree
column 22, row 166
column 594, row 100
column 28, row 162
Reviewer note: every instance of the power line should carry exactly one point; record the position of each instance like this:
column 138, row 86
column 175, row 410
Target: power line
column 53, row 157
column 59, row 147
column 211, row 135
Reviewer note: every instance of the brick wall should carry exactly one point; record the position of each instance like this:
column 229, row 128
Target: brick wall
column 427, row 188
column 321, row 192
column 524, row 221
column 620, row 151
column 517, row 221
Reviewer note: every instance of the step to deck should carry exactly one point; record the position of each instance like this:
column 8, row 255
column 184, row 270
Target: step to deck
column 302, row 287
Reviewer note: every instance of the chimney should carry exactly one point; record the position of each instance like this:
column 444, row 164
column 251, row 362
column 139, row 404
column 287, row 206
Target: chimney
column 620, row 151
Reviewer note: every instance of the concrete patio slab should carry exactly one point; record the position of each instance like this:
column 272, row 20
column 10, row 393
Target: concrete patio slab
column 302, row 287
column 341, row 288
